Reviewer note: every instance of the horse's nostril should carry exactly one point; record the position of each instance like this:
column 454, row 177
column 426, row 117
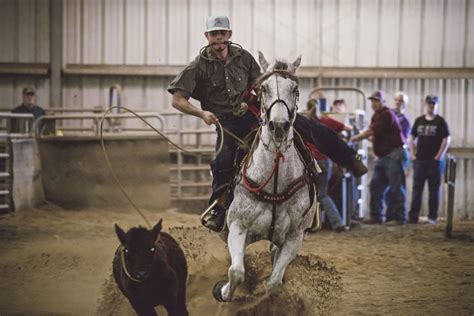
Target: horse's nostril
column 271, row 125
column 287, row 126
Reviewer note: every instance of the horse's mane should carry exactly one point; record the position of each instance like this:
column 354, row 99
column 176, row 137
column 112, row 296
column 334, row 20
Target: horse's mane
column 279, row 67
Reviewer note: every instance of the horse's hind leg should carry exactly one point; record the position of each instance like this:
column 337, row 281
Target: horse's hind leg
column 283, row 257
column 236, row 244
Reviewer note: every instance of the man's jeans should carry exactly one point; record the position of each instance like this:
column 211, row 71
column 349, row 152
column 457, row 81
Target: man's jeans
column 327, row 204
column 388, row 175
column 222, row 166
column 431, row 171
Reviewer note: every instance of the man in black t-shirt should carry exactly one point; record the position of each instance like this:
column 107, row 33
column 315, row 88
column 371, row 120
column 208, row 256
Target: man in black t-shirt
column 431, row 133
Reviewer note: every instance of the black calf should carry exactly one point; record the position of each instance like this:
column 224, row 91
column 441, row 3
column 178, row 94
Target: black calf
column 150, row 269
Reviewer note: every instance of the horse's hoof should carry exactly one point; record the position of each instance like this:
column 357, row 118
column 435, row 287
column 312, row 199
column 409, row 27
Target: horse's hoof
column 217, row 290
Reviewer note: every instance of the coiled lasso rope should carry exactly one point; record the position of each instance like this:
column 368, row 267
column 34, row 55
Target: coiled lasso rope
column 109, row 164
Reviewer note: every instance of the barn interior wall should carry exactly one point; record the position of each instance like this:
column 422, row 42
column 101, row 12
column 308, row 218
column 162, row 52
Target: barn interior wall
column 344, row 33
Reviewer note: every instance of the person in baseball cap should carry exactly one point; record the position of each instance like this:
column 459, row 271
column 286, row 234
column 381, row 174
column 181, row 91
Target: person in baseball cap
column 218, row 34
column 428, row 145
column 388, row 174
column 222, row 78
column 28, row 106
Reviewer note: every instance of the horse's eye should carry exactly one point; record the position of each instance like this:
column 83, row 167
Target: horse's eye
column 152, row 249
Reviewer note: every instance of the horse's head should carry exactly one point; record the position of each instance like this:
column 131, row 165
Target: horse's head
column 278, row 92
column 139, row 249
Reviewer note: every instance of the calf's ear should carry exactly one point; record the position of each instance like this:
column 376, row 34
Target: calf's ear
column 120, row 234
column 156, row 229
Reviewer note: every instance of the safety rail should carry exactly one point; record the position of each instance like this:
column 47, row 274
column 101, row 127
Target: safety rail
column 16, row 124
column 98, row 109
column 96, row 118
column 332, row 88
column 191, row 180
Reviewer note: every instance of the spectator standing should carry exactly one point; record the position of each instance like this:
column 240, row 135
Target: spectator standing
column 28, row 106
column 399, row 107
column 431, row 134
column 388, row 173
column 401, row 102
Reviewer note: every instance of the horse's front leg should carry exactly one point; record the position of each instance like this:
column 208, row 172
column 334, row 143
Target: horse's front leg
column 236, row 243
column 285, row 255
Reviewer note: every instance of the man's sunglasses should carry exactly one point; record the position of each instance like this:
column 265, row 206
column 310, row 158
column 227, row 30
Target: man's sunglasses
column 215, row 33
column 29, row 93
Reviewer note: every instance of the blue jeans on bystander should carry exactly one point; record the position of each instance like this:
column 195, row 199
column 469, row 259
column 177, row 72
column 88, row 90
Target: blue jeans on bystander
column 327, row 204
column 389, row 174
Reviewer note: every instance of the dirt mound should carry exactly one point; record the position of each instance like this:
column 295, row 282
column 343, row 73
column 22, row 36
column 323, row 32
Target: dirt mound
column 310, row 287
column 310, row 284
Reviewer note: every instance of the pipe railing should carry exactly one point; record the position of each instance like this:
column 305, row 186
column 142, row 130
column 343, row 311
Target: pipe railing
column 96, row 118
column 16, row 124
column 331, row 88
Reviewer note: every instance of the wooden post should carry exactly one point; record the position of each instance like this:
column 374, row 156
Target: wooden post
column 450, row 180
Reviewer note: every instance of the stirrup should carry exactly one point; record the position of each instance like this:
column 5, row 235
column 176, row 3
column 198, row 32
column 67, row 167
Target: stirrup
column 207, row 214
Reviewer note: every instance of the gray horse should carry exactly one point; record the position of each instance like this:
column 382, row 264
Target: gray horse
column 272, row 198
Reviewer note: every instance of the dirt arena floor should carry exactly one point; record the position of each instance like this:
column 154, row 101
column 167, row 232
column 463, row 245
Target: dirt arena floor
column 59, row 262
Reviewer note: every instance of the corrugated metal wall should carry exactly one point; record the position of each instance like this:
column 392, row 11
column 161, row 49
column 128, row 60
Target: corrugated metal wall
column 333, row 33
column 24, row 31
column 370, row 33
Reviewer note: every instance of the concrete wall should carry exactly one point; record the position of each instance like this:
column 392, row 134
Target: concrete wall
column 75, row 173
column 27, row 188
